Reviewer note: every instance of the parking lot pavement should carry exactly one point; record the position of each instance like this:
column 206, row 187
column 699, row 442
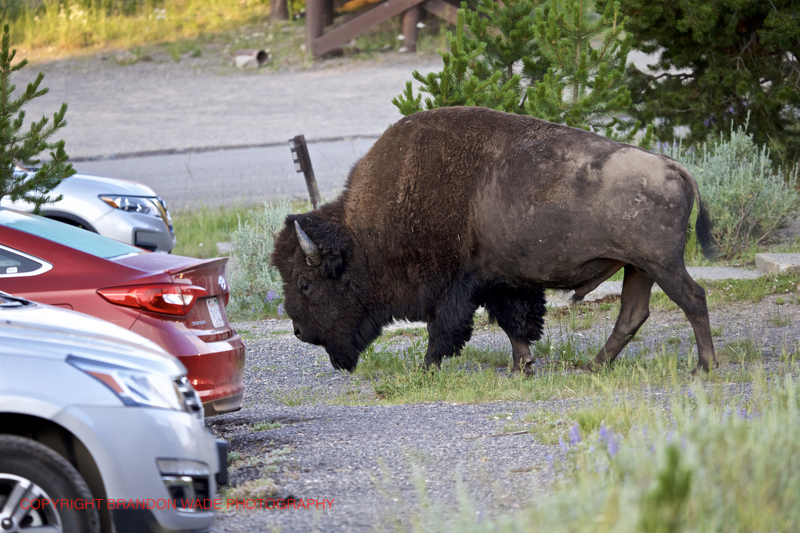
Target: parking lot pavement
column 242, row 176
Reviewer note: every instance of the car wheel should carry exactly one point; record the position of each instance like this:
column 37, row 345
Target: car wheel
column 34, row 476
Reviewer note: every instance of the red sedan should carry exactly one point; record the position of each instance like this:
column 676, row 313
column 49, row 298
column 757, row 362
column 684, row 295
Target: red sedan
column 177, row 302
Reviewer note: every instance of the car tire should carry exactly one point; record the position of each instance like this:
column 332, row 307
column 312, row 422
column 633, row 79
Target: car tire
column 27, row 464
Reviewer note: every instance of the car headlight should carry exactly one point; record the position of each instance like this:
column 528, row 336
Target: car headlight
column 133, row 204
column 137, row 387
column 136, row 204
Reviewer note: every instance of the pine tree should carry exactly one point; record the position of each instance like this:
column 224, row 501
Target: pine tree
column 718, row 61
column 19, row 147
column 585, row 86
column 456, row 84
column 507, row 30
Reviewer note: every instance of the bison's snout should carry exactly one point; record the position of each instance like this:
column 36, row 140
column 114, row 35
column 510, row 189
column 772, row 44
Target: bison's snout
column 306, row 334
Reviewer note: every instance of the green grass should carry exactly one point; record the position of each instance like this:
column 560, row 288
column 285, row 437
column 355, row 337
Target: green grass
column 740, row 351
column 82, row 24
column 265, row 426
column 685, row 457
column 297, row 397
column 396, row 375
column 722, row 292
column 199, row 231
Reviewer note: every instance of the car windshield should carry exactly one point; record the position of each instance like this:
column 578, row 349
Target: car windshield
column 79, row 239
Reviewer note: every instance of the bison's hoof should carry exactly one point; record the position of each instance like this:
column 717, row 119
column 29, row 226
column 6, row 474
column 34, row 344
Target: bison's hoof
column 591, row 367
column 700, row 373
column 526, row 370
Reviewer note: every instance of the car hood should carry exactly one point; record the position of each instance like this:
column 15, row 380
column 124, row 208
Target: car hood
column 87, row 184
column 48, row 331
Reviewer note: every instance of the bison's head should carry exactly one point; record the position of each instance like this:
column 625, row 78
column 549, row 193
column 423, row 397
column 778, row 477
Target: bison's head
column 321, row 297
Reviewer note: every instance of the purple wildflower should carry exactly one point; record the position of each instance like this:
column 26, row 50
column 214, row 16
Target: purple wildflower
column 743, row 413
column 574, row 434
column 271, row 296
column 613, row 445
column 280, row 310
column 603, row 432
column 551, row 460
column 670, row 434
column 563, row 445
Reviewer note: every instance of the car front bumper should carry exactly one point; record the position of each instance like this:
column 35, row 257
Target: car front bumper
column 145, row 231
column 126, row 442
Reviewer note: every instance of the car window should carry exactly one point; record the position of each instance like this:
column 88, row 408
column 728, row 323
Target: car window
column 14, row 263
column 80, row 239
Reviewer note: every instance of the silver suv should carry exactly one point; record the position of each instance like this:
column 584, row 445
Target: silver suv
column 92, row 415
column 123, row 210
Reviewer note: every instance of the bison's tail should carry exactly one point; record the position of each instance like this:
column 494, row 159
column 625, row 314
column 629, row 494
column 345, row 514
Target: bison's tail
column 703, row 226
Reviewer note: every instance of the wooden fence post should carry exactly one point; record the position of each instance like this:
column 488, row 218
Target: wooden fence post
column 314, row 23
column 410, row 30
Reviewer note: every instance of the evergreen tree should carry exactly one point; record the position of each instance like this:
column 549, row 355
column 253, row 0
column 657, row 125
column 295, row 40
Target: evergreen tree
column 456, row 84
column 507, row 30
column 585, row 86
column 719, row 60
column 19, row 147
column 566, row 80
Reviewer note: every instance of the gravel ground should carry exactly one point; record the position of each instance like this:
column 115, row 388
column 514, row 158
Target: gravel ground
column 368, row 458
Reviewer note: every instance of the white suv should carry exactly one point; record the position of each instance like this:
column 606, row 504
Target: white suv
column 99, row 429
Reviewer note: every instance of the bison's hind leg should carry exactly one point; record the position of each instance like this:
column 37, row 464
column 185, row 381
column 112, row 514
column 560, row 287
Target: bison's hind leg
column 519, row 311
column 678, row 284
column 634, row 310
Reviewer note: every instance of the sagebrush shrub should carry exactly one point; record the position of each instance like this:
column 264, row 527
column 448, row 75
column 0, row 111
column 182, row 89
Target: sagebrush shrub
column 255, row 284
column 747, row 199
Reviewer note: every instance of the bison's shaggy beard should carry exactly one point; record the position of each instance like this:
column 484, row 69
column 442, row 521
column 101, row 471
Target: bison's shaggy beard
column 344, row 354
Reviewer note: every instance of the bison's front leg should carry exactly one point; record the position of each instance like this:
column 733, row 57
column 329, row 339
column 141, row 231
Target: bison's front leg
column 450, row 323
column 446, row 338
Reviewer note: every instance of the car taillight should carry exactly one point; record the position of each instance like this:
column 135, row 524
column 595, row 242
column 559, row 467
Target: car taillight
column 168, row 299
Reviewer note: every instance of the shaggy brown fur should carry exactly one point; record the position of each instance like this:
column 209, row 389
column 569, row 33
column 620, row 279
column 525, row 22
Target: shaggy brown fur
column 459, row 207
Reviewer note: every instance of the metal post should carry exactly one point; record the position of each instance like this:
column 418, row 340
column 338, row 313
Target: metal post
column 302, row 163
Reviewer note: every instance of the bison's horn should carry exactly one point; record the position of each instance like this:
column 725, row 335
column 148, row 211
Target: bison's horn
column 313, row 255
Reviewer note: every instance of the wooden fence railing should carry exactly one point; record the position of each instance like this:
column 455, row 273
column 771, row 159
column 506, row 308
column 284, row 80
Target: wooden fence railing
column 318, row 13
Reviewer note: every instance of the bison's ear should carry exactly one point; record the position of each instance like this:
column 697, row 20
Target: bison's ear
column 331, row 240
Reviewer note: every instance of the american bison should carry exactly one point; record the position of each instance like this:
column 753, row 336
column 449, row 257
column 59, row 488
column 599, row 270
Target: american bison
column 460, row 207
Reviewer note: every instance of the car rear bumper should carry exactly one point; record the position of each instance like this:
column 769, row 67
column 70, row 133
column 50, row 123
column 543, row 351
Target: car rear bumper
column 215, row 369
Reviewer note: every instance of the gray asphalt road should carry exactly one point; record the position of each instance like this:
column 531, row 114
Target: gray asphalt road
column 240, row 176
column 161, row 107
